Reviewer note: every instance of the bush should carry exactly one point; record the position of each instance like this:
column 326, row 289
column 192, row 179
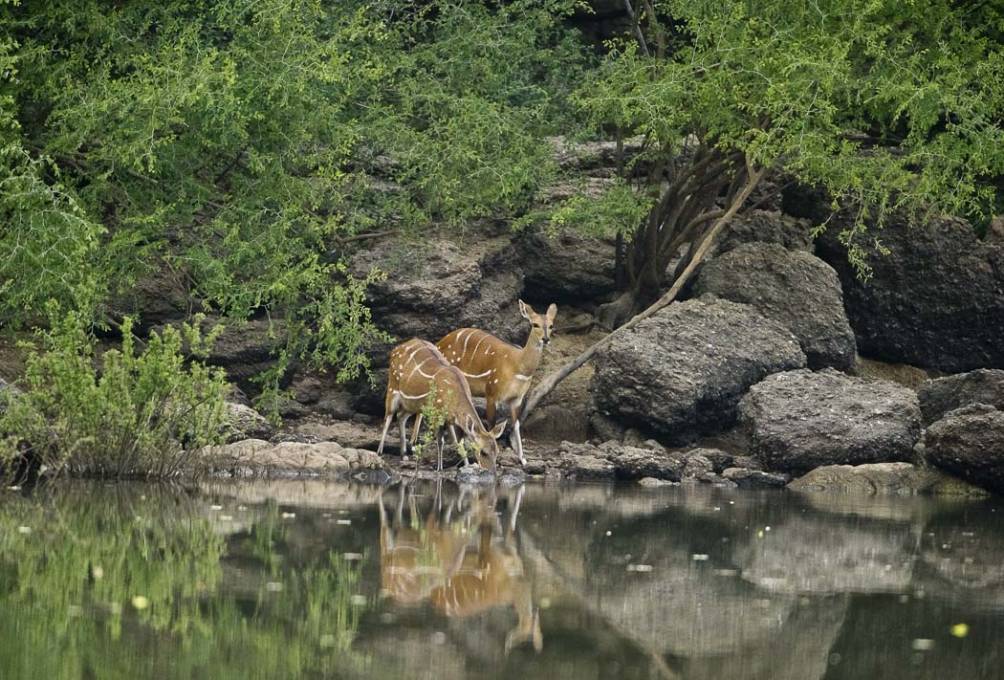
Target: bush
column 125, row 413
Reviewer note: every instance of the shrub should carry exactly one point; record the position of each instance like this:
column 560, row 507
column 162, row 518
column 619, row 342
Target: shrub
column 125, row 413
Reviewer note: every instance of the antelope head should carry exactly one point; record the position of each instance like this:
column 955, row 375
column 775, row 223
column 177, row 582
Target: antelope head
column 540, row 324
column 486, row 445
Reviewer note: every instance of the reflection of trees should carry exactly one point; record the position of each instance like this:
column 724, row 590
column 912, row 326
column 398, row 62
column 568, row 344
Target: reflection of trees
column 70, row 577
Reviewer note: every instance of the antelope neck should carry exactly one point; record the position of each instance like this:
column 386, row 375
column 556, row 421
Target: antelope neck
column 529, row 358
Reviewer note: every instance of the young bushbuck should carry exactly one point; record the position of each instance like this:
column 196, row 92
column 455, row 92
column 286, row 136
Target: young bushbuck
column 419, row 372
column 498, row 371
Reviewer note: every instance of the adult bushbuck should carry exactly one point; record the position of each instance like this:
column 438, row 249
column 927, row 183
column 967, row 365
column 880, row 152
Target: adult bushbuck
column 418, row 374
column 463, row 565
column 498, row 371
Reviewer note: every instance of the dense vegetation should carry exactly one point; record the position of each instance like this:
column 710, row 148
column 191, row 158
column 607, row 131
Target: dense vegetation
column 239, row 146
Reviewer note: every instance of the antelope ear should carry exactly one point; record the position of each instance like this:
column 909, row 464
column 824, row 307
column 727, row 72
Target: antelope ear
column 552, row 312
column 524, row 310
column 498, row 430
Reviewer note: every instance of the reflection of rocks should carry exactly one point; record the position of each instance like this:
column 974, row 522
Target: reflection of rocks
column 983, row 386
column 296, row 492
column 800, row 420
column 969, row 442
column 800, row 555
column 682, row 371
column 258, row 457
column 970, row 563
column 799, row 651
column 903, row 479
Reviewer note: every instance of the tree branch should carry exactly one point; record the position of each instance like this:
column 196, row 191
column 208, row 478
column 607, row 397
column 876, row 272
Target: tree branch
column 551, row 381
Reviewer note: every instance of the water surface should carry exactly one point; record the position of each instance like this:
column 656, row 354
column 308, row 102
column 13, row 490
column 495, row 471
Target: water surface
column 311, row 579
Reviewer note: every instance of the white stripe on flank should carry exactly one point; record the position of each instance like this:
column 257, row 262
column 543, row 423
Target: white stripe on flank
column 478, row 375
column 475, row 352
column 520, row 376
column 416, row 396
column 464, row 353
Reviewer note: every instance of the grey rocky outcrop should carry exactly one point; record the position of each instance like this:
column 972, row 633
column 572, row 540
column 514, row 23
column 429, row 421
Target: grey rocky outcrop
column 969, row 442
column 745, row 478
column 982, row 386
column 901, row 479
column 935, row 300
column 794, row 288
column 258, row 457
column 436, row 286
column 567, row 267
column 767, row 226
column 800, row 420
column 681, row 372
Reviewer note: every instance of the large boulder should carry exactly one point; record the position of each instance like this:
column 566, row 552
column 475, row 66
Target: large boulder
column 935, row 300
column 969, row 442
column 794, row 288
column 901, row 479
column 567, row 267
column 436, row 286
column 800, row 420
column 983, row 386
column 681, row 372
column 767, row 226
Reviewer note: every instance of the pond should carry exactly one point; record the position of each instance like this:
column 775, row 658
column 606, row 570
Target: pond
column 289, row 579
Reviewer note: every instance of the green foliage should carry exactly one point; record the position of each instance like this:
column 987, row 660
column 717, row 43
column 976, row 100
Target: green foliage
column 138, row 413
column 434, row 419
column 888, row 105
column 239, row 143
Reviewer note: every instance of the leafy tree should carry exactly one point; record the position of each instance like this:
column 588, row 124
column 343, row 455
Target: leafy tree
column 888, row 106
column 244, row 144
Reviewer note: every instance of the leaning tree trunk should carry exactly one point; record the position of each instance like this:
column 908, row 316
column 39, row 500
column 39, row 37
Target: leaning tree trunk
column 750, row 179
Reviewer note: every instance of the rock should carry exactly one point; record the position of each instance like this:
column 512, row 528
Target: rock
column 800, row 420
column 794, row 288
column 582, row 466
column 156, row 297
column 612, row 460
column 289, row 458
column 969, row 442
column 245, row 350
column 938, row 397
column 765, row 226
column 437, row 286
column 681, row 372
column 243, row 422
column 904, row 479
column 755, row 479
column 936, row 300
column 654, row 482
column 567, row 266
column 698, row 467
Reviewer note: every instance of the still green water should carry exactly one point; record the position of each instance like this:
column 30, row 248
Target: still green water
column 311, row 580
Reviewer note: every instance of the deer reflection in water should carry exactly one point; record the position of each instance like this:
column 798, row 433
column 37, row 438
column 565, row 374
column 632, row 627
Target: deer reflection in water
column 461, row 558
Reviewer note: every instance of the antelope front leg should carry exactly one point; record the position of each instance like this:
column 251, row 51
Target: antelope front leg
column 517, row 438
